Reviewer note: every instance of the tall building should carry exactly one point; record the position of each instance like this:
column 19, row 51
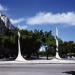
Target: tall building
column 6, row 20
column 2, row 26
column 5, row 23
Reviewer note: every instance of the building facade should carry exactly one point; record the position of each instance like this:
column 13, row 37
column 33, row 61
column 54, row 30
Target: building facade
column 5, row 23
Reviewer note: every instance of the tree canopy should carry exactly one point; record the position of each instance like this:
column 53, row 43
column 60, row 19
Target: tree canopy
column 31, row 41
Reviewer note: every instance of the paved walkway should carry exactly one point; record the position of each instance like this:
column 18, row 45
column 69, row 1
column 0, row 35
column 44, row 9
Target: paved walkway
column 53, row 61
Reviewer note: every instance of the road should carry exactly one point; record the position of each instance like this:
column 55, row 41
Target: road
column 37, row 69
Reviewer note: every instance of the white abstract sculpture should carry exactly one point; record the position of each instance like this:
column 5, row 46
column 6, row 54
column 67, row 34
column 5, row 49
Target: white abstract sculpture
column 56, row 38
column 19, row 57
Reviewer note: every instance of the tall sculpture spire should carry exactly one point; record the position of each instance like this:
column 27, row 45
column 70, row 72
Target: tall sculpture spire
column 56, row 38
column 19, row 57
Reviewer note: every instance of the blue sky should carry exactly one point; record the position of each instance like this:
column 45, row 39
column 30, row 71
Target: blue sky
column 43, row 14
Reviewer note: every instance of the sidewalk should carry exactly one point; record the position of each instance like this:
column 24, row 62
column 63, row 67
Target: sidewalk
column 53, row 61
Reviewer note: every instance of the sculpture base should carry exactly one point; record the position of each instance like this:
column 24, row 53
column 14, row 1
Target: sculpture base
column 57, row 56
column 20, row 58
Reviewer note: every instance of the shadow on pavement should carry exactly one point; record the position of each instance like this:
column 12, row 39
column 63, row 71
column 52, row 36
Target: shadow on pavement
column 70, row 72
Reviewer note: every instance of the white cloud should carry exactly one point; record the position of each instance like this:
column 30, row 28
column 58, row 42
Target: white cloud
column 50, row 18
column 17, row 21
column 2, row 8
